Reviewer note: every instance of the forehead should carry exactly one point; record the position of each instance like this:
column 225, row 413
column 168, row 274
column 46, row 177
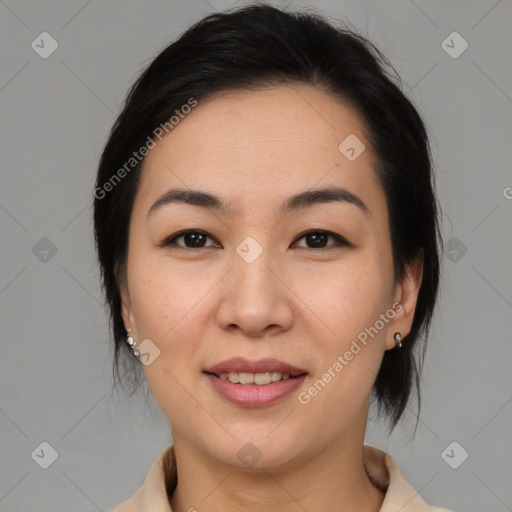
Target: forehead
column 248, row 145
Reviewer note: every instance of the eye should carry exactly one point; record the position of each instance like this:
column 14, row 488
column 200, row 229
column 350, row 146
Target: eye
column 318, row 239
column 193, row 239
column 196, row 239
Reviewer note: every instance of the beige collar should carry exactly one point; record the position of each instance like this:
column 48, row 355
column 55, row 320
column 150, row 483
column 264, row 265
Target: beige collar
column 162, row 478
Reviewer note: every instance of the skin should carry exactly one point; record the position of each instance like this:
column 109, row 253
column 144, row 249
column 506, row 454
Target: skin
column 296, row 303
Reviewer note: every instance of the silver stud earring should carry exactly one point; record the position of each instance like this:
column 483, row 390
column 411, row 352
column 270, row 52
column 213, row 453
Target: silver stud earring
column 131, row 341
column 398, row 339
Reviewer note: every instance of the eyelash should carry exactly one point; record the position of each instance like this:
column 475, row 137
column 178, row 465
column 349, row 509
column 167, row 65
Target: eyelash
column 340, row 241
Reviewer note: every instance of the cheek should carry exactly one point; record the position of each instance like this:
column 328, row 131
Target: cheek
column 174, row 301
column 347, row 301
column 349, row 353
column 168, row 311
column 167, row 306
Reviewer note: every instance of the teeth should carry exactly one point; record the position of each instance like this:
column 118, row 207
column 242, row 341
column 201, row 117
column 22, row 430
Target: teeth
column 245, row 378
column 254, row 378
column 276, row 376
column 233, row 377
column 262, row 378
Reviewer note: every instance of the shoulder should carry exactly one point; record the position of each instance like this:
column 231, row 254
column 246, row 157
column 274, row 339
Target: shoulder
column 157, row 487
column 385, row 474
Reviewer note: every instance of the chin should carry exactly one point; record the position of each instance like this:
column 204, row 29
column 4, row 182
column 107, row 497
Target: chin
column 259, row 453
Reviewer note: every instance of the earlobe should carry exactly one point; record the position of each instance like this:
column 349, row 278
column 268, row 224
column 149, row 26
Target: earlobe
column 406, row 295
column 126, row 310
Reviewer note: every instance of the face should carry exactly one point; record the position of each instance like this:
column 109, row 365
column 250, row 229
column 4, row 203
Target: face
column 258, row 290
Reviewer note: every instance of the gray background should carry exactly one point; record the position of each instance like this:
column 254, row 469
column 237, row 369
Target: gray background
column 55, row 380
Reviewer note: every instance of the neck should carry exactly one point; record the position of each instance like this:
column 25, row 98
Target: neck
column 333, row 479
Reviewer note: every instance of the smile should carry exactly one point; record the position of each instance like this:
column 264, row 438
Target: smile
column 260, row 378
column 250, row 393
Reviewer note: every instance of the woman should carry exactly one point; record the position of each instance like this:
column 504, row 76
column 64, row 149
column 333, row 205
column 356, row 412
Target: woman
column 267, row 230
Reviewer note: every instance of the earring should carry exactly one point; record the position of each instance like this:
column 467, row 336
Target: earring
column 398, row 339
column 131, row 341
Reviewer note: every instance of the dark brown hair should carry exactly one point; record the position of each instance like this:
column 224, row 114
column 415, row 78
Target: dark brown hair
column 260, row 45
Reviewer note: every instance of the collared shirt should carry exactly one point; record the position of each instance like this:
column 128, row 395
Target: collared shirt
column 160, row 483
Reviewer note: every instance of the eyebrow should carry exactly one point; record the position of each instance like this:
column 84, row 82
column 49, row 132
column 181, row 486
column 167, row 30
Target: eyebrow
column 298, row 201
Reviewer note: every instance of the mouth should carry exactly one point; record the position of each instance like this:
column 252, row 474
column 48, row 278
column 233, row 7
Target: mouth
column 260, row 378
column 254, row 383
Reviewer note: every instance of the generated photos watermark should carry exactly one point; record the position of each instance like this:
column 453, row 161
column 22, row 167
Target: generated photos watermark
column 138, row 156
column 304, row 397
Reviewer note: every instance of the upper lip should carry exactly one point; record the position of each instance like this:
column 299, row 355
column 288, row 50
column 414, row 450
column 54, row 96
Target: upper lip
column 240, row 364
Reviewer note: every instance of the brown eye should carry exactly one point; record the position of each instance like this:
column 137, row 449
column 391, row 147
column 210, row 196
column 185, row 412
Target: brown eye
column 318, row 239
column 197, row 239
column 192, row 239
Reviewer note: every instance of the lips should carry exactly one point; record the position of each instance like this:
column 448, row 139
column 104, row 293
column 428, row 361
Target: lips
column 239, row 364
column 254, row 383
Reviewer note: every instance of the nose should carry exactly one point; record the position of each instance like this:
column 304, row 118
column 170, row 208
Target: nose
column 255, row 297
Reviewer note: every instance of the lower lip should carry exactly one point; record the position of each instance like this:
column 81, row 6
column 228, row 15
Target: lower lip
column 254, row 395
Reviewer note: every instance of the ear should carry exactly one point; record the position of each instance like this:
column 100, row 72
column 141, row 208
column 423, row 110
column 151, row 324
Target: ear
column 126, row 309
column 406, row 294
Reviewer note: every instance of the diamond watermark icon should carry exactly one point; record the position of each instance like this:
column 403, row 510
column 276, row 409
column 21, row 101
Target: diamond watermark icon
column 249, row 454
column 44, row 250
column 45, row 455
column 454, row 45
column 44, row 45
column 455, row 249
column 351, row 147
column 148, row 352
column 249, row 249
column 454, row 455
